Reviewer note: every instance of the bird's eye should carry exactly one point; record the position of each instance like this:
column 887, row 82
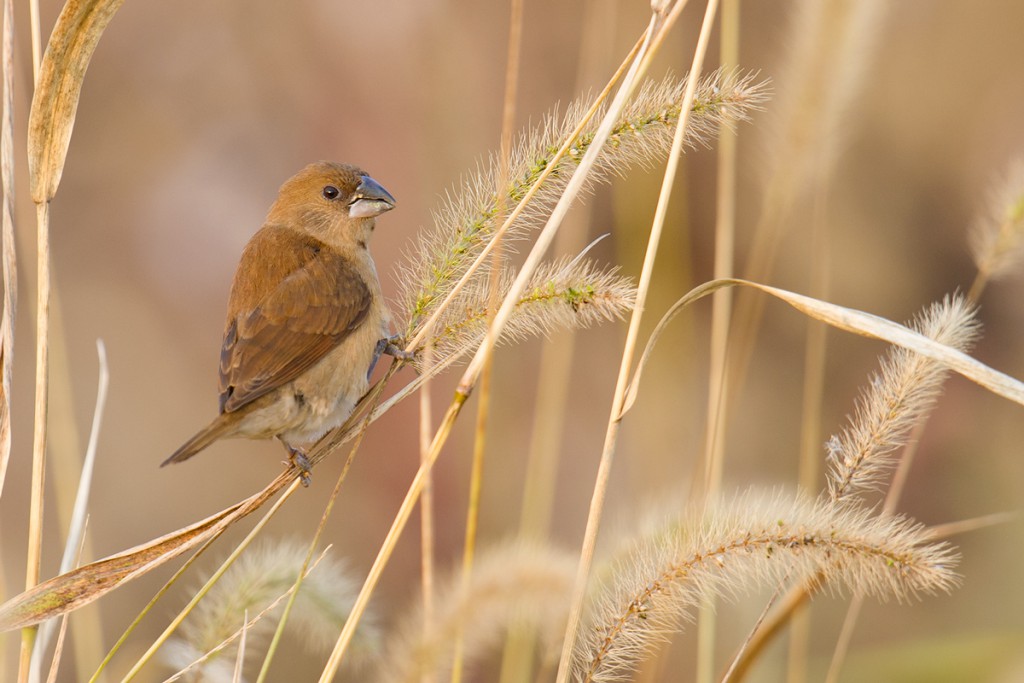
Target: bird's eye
column 330, row 192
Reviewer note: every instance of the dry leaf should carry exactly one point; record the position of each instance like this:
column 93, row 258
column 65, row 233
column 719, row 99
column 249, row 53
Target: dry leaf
column 851, row 320
column 74, row 38
column 90, row 582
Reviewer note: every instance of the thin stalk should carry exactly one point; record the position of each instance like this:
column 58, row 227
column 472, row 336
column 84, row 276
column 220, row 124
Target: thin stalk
column 426, row 504
column 39, row 434
column 725, row 241
column 272, row 648
column 721, row 315
column 305, row 569
column 473, row 370
column 732, row 670
column 58, row 649
column 845, row 638
column 550, row 403
column 37, row 39
column 473, row 506
column 145, row 610
column 941, row 531
column 10, row 270
column 515, row 39
column 977, row 286
column 810, row 421
column 210, row 582
column 36, row 502
column 772, row 626
column 390, row 541
column 35, row 524
column 76, row 531
column 236, row 677
column 618, row 400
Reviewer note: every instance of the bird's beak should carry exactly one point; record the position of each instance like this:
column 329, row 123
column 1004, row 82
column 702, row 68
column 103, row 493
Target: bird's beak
column 370, row 199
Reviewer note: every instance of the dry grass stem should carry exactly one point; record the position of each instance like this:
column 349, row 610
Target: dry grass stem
column 632, row 335
column 721, row 316
column 37, row 492
column 58, row 651
column 476, row 476
column 813, row 400
column 240, row 658
column 373, row 396
column 37, row 38
column 76, row 533
column 426, row 421
column 898, row 397
column 794, row 600
column 426, row 502
column 10, row 261
column 845, row 638
column 35, row 673
column 943, row 531
column 472, row 372
column 725, row 239
column 51, row 119
column 201, row 593
column 750, row 541
column 259, row 583
column 96, row 676
column 484, row 396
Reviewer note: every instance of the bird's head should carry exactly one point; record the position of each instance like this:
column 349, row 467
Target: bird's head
column 331, row 201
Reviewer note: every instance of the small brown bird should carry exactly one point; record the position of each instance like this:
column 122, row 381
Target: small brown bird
column 306, row 320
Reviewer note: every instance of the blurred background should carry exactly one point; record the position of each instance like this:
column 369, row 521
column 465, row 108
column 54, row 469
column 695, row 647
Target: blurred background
column 192, row 115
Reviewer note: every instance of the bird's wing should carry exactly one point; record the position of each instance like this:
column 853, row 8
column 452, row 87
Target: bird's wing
column 286, row 313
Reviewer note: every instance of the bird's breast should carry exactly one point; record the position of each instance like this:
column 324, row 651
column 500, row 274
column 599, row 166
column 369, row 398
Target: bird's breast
column 324, row 396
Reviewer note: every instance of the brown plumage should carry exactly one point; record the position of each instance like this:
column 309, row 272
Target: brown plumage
column 305, row 314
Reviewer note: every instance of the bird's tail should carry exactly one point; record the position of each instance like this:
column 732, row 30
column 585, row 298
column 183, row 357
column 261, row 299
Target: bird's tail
column 220, row 427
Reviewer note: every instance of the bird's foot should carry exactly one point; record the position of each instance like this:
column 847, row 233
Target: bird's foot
column 300, row 462
column 391, row 346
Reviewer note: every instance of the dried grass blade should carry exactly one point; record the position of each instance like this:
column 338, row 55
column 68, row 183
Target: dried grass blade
column 58, row 88
column 90, row 582
column 10, row 272
column 869, row 325
column 849, row 320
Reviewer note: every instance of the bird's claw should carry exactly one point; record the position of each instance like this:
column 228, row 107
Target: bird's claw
column 391, row 346
column 301, row 462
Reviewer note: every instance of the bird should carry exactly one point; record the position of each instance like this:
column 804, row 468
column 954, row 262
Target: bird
column 306, row 320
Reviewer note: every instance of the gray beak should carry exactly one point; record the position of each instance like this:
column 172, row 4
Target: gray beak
column 370, row 199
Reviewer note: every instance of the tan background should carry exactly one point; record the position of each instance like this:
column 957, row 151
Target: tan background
column 193, row 113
